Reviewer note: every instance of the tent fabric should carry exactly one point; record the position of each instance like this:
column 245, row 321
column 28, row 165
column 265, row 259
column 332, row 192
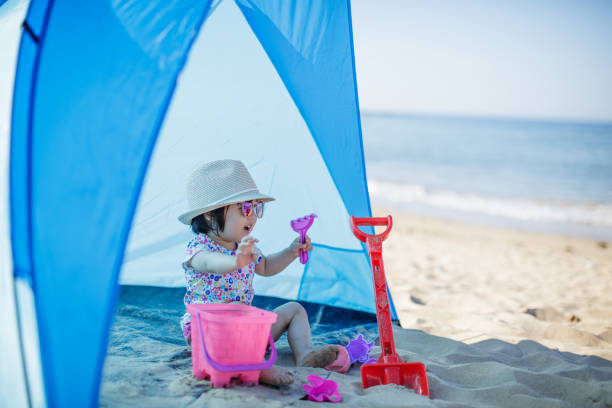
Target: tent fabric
column 20, row 165
column 13, row 387
column 105, row 131
column 78, row 212
column 311, row 48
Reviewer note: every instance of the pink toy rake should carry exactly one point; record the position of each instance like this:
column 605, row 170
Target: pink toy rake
column 301, row 225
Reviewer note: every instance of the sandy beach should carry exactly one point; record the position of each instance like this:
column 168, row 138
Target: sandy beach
column 500, row 318
column 472, row 283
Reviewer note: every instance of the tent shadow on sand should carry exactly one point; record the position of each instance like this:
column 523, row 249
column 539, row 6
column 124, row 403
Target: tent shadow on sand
column 149, row 364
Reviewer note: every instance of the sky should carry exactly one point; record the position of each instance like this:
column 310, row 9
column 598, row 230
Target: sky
column 535, row 59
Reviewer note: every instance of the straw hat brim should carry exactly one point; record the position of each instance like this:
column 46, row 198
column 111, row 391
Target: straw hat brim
column 252, row 195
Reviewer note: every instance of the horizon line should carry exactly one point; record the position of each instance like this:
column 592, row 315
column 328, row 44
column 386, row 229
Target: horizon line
column 494, row 117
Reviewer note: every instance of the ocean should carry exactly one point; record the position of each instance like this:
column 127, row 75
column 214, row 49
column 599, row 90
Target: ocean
column 534, row 175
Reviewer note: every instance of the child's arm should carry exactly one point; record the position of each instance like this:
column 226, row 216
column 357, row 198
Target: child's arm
column 211, row 262
column 275, row 263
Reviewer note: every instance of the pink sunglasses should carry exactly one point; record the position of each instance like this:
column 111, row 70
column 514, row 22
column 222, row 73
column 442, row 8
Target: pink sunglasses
column 250, row 207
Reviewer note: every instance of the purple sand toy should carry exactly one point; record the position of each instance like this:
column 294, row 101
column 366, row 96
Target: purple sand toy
column 301, row 225
column 359, row 350
column 322, row 389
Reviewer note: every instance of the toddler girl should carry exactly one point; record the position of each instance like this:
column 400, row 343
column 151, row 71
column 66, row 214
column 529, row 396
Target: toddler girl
column 222, row 259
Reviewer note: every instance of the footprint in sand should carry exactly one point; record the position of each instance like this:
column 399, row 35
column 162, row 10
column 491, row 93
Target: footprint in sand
column 549, row 314
column 606, row 335
column 416, row 300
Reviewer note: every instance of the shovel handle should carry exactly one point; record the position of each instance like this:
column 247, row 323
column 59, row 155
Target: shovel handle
column 371, row 221
column 383, row 311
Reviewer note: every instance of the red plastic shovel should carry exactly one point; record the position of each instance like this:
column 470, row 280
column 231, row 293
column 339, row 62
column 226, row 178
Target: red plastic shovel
column 389, row 368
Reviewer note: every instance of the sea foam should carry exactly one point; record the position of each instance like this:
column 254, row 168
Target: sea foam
column 594, row 214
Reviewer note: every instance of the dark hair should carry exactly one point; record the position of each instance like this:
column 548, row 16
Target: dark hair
column 200, row 225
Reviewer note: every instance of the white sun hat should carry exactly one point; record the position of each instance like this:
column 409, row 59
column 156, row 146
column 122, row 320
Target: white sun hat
column 217, row 184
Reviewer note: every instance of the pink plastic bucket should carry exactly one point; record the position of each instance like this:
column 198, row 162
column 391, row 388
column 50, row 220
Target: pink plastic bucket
column 229, row 340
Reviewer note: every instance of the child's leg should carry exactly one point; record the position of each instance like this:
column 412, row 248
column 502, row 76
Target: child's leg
column 292, row 318
column 299, row 339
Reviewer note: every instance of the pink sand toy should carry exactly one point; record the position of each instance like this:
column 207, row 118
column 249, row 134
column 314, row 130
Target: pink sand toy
column 342, row 363
column 229, row 340
column 301, row 225
column 322, row 389
column 359, row 350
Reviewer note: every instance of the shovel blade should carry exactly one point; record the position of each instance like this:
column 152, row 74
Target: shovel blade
column 411, row 375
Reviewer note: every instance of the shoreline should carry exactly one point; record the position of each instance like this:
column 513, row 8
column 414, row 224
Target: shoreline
column 473, row 282
column 577, row 229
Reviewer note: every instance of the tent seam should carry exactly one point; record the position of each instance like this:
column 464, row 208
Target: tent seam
column 337, row 248
column 39, row 41
column 15, row 274
column 29, row 30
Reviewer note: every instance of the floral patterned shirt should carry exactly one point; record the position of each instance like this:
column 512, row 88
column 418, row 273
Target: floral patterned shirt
column 233, row 287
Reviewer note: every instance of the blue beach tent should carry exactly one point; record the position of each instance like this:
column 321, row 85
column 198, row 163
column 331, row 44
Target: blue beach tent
column 111, row 105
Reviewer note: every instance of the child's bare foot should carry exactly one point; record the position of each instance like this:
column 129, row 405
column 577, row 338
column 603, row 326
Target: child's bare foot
column 275, row 376
column 320, row 357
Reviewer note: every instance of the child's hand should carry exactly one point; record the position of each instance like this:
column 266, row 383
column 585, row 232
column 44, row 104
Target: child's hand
column 246, row 252
column 296, row 245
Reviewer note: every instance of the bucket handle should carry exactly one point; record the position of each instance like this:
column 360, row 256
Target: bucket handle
column 237, row 367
